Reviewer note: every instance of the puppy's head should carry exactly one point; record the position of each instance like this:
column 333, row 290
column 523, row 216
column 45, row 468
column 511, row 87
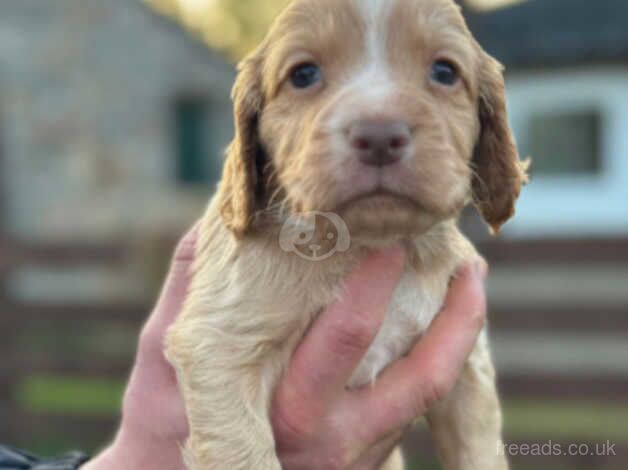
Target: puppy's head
column 386, row 112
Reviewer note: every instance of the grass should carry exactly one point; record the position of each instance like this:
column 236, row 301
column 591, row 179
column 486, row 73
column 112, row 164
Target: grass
column 523, row 419
column 70, row 396
column 566, row 420
column 526, row 420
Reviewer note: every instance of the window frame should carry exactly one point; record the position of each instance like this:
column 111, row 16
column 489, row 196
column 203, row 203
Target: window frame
column 574, row 205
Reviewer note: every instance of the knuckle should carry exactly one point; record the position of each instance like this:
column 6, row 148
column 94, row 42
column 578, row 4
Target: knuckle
column 476, row 305
column 185, row 249
column 352, row 336
column 292, row 426
column 438, row 389
column 418, row 407
column 432, row 392
column 475, row 294
column 478, row 317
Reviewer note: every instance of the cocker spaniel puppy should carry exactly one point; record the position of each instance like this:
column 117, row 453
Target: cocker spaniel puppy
column 359, row 124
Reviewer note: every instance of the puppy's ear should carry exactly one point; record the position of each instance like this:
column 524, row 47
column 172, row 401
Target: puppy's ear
column 499, row 174
column 240, row 185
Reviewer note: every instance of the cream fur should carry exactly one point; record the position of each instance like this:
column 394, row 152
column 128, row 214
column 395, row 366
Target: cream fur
column 250, row 302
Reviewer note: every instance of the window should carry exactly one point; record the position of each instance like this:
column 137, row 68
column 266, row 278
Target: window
column 197, row 162
column 564, row 143
column 573, row 124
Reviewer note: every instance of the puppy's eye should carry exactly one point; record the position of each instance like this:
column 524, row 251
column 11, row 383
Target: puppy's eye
column 305, row 75
column 445, row 73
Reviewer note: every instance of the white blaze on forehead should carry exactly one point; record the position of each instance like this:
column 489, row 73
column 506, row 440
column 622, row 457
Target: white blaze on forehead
column 375, row 14
column 374, row 77
column 369, row 86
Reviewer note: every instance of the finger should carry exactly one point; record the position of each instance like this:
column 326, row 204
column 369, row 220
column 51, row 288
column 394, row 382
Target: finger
column 173, row 293
column 175, row 287
column 152, row 376
column 340, row 337
column 414, row 383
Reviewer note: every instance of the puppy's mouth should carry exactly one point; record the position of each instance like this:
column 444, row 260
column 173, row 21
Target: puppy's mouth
column 382, row 215
column 380, row 198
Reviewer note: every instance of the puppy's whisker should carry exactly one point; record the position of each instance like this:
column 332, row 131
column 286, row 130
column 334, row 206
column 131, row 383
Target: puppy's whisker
column 275, row 195
column 481, row 198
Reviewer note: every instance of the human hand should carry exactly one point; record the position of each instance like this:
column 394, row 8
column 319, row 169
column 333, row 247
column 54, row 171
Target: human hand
column 317, row 423
column 154, row 425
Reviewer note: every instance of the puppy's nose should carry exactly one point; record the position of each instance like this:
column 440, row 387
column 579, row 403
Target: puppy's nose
column 379, row 143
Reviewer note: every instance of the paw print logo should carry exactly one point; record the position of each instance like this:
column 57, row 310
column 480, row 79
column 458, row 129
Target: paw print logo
column 315, row 236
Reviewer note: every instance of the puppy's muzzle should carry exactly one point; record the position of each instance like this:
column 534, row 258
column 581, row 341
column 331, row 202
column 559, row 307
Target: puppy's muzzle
column 378, row 142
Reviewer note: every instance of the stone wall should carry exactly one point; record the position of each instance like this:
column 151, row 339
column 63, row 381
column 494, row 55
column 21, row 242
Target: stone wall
column 87, row 89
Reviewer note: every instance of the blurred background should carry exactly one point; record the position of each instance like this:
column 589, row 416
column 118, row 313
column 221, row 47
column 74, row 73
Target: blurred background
column 113, row 117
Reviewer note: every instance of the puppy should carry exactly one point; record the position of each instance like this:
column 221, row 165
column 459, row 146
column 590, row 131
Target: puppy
column 359, row 124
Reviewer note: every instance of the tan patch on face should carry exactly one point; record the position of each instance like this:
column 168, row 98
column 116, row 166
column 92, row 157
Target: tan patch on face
column 326, row 32
column 330, row 34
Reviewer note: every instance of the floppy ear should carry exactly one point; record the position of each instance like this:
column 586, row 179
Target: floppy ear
column 499, row 174
column 240, row 184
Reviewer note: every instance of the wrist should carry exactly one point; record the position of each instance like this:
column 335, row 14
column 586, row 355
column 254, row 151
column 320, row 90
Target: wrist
column 132, row 450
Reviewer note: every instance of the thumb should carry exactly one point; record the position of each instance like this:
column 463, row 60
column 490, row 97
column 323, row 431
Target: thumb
column 176, row 286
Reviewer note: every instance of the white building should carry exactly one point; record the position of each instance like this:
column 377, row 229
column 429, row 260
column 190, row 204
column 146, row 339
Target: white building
column 114, row 120
column 567, row 81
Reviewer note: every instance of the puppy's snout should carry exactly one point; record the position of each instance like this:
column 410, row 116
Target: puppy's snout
column 379, row 143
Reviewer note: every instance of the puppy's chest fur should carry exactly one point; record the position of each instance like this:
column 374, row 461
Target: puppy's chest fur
column 252, row 302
